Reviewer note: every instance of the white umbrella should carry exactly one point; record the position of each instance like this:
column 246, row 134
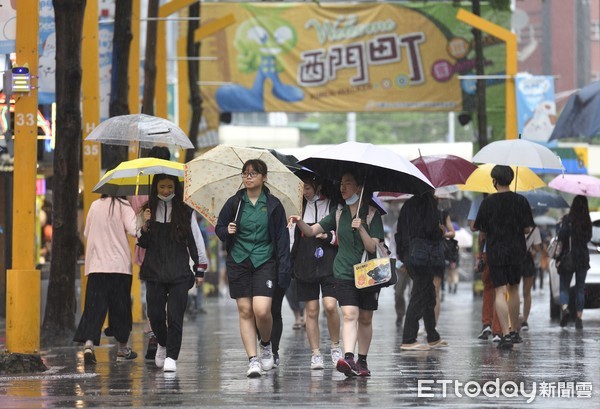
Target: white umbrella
column 518, row 152
column 215, row 176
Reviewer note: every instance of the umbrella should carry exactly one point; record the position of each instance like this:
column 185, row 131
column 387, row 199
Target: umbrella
column 147, row 130
column 134, row 177
column 581, row 115
column 481, row 180
column 444, row 170
column 541, row 200
column 518, row 152
column 290, row 161
column 464, row 238
column 214, row 176
column 585, row 185
column 384, row 169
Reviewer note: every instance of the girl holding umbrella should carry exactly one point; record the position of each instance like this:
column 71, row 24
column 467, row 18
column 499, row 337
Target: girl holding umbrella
column 359, row 228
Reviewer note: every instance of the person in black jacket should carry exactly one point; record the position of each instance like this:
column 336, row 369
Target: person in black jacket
column 252, row 223
column 575, row 231
column 168, row 236
column 419, row 218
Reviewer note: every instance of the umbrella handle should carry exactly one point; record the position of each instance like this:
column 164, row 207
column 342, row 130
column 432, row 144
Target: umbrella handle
column 137, row 182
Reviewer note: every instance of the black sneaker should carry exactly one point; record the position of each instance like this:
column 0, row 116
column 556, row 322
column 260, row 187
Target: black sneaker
column 505, row 343
column 126, row 354
column 88, row 356
column 152, row 346
column 486, row 331
column 516, row 338
column 564, row 317
column 578, row 323
column 362, row 368
column 347, row 366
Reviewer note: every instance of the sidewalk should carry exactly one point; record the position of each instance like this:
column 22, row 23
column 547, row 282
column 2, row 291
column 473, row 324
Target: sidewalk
column 212, row 367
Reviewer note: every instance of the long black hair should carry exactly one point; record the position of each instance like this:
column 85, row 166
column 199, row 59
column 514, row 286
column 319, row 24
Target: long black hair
column 180, row 213
column 579, row 217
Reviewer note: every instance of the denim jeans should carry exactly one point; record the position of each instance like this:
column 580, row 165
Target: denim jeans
column 565, row 284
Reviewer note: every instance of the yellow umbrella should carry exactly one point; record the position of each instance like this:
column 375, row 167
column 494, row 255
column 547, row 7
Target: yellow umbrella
column 134, row 177
column 481, row 180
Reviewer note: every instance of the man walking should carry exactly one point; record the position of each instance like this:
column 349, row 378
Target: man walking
column 505, row 218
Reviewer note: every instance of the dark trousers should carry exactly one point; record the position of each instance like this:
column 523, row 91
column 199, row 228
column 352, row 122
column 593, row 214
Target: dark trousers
column 167, row 324
column 106, row 292
column 421, row 305
column 276, row 304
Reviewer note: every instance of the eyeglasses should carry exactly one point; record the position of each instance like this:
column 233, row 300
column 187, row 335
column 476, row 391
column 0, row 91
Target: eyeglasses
column 250, row 175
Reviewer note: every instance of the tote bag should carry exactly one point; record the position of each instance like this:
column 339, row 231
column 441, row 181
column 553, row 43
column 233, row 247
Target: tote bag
column 375, row 273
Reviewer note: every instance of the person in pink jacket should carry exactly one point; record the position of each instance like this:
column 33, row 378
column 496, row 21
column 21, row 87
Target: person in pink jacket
column 108, row 268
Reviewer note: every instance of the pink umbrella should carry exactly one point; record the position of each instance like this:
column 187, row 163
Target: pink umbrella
column 585, row 185
column 444, row 170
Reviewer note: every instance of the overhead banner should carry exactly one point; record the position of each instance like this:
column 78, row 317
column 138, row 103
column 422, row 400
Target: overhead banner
column 299, row 57
column 536, row 107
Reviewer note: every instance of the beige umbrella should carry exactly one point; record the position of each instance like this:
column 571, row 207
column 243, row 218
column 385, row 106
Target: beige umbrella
column 214, row 176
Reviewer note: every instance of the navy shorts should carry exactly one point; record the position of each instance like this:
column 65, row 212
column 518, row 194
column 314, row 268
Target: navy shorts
column 348, row 294
column 506, row 274
column 247, row 281
column 311, row 291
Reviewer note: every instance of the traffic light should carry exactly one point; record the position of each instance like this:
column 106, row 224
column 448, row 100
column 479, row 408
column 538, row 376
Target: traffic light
column 21, row 80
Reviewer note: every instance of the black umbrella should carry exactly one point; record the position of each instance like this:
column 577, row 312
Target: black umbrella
column 541, row 200
column 580, row 118
column 290, row 161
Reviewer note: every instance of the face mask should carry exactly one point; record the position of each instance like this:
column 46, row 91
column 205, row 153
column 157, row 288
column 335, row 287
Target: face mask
column 166, row 198
column 352, row 199
column 313, row 199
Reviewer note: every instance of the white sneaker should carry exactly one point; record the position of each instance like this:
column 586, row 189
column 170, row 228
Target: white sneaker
column 170, row 365
column 316, row 362
column 253, row 368
column 161, row 354
column 266, row 358
column 336, row 355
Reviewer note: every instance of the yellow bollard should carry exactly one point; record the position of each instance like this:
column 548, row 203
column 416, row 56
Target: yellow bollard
column 23, row 311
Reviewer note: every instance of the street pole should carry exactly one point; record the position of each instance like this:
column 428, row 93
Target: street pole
column 23, row 280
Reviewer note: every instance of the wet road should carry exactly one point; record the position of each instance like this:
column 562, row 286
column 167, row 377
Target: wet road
column 211, row 368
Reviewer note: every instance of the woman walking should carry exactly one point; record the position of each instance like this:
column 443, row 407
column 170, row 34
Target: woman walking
column 252, row 223
column 108, row 268
column 312, row 262
column 358, row 230
column 575, row 232
column 171, row 237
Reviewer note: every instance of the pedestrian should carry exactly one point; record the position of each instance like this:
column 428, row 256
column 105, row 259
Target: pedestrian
column 312, row 264
column 252, row 223
column 404, row 280
column 419, row 219
column 108, row 269
column 533, row 241
column 357, row 230
column 574, row 233
column 505, row 217
column 438, row 273
column 171, row 236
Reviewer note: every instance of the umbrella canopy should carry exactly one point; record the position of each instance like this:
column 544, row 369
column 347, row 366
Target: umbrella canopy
column 384, row 169
column 134, row 177
column 147, row 130
column 580, row 118
column 518, row 152
column 444, row 170
column 481, row 180
column 545, row 221
column 541, row 200
column 214, row 177
column 585, row 185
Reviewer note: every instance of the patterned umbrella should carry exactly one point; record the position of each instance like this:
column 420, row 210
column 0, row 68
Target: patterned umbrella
column 214, row 177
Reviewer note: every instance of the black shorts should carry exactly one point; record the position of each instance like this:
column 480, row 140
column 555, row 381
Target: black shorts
column 245, row 280
column 506, row 274
column 348, row 294
column 311, row 291
column 528, row 266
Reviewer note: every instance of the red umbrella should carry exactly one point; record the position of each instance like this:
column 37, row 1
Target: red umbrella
column 444, row 170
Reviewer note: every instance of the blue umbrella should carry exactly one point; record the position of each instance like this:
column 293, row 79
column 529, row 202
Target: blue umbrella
column 542, row 200
column 580, row 118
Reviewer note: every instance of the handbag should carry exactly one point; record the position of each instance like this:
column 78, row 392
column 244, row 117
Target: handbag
column 555, row 248
column 566, row 264
column 425, row 253
column 376, row 273
column 450, row 249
